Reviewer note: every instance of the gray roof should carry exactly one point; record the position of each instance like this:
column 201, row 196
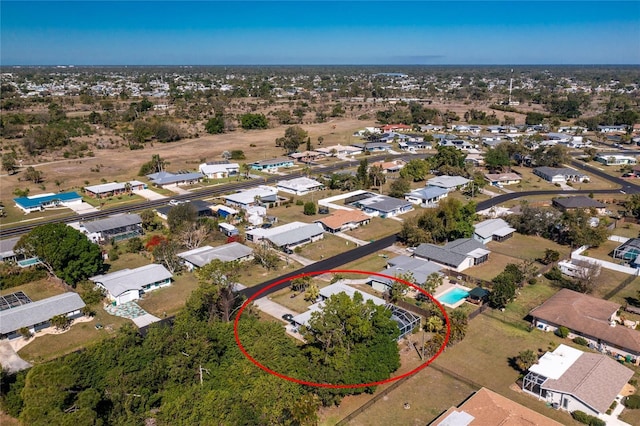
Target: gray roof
column 448, row 181
column 165, row 178
column 428, row 192
column 383, row 203
column 578, row 202
column 37, row 312
column 420, row 269
column 112, row 222
column 553, row 171
column 6, row 247
column 453, row 253
column 293, row 236
column 122, row 281
column 226, row 253
column 491, row 227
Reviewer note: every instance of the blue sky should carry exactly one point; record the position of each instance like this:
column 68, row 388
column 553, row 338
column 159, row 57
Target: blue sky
column 319, row 32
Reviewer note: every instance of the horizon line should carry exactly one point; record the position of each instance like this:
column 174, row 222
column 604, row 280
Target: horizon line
column 316, row 65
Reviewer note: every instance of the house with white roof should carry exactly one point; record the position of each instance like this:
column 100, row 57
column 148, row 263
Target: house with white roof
column 428, row 196
column 113, row 228
column 273, row 164
column 131, row 284
column 572, row 380
column 105, row 190
column 201, row 256
column 616, row 159
column 502, row 179
column 457, row 255
column 289, row 236
column 450, row 183
column 492, row 230
column 299, row 186
column 7, row 254
column 380, row 205
column 35, row 316
column 339, row 150
column 262, row 195
column 215, row 170
column 560, row 174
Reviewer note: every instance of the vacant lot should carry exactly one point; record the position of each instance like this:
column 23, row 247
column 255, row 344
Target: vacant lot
column 527, row 247
column 169, row 300
column 376, row 229
column 37, row 290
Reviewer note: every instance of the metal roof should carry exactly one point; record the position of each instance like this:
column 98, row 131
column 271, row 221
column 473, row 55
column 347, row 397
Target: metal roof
column 40, row 311
column 447, row 181
column 38, row 200
column 491, row 227
column 297, row 235
column 383, row 203
column 6, row 247
column 122, row 281
column 165, row 178
column 112, row 222
column 453, row 253
column 226, row 253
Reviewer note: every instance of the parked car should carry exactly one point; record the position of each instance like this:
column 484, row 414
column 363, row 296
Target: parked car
column 288, row 318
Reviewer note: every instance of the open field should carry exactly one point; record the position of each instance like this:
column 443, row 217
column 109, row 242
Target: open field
column 113, row 201
column 328, row 246
column 376, row 229
column 526, row 247
column 488, row 270
column 37, row 290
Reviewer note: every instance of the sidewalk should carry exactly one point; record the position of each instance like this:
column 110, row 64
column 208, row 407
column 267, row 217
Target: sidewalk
column 357, row 241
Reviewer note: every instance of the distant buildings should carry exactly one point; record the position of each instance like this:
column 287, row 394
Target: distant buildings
column 45, row 201
column 106, row 190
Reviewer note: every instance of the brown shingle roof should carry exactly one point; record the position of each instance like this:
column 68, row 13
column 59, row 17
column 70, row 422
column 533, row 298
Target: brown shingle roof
column 588, row 316
column 594, row 379
column 490, row 408
column 342, row 217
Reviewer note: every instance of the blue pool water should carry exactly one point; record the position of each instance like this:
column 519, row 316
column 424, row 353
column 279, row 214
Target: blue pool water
column 28, row 262
column 453, row 296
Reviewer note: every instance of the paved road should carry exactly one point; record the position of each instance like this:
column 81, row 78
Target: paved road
column 10, row 360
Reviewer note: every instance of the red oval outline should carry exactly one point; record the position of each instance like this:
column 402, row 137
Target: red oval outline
column 330, row 385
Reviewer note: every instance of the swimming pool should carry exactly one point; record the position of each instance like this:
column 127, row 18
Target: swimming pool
column 28, row 262
column 453, row 296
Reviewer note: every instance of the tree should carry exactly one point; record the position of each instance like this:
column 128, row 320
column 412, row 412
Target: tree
column 294, row 136
column 362, row 174
column 60, row 322
column 312, row 293
column 554, row 156
column 215, row 125
column 33, row 175
column 309, row 208
column 498, row 158
column 376, row 176
column 448, row 156
column 433, row 281
column 155, row 165
column 534, row 118
column 251, row 121
column 9, row 162
column 90, row 293
column 64, row 251
column 301, row 283
column 458, row 322
column 526, row 359
column 265, row 256
column 415, row 170
column 399, row 187
column 150, row 222
column 397, row 291
column 434, row 324
column 180, row 216
column 165, row 253
column 504, row 289
column 246, row 169
column 216, row 296
column 192, row 234
column 586, row 277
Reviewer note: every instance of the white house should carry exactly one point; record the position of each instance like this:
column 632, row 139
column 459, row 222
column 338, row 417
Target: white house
column 399, row 265
column 615, row 159
column 201, row 256
column 289, row 236
column 450, row 183
column 131, row 284
column 571, row 380
column 114, row 188
column 492, row 230
column 299, row 186
column 428, row 196
column 113, row 228
column 219, row 170
column 560, row 174
column 40, row 202
column 502, row 179
column 251, row 197
column 167, row 179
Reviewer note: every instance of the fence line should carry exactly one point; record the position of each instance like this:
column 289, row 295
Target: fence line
column 620, row 286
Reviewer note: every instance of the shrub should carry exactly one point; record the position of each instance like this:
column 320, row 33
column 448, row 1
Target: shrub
column 299, row 203
column 113, row 255
column 134, row 245
column 562, row 331
column 581, row 341
column 632, row 401
column 309, row 208
column 586, row 419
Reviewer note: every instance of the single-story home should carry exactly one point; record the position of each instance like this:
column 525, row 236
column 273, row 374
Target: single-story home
column 262, row 195
column 372, row 146
column 6, row 250
column 228, row 229
column 299, row 186
column 613, row 129
column 35, row 316
column 273, row 164
column 579, row 202
column 572, row 380
column 340, row 150
column 113, row 228
column 501, row 179
column 105, row 190
column 450, row 183
column 414, row 145
column 307, row 156
column 458, row 255
column 199, row 257
column 428, row 196
column 219, row 170
column 388, row 166
column 167, row 179
column 289, row 236
column 202, row 209
column 492, row 230
column 589, row 317
column 399, row 265
column 486, row 407
column 575, row 267
column 560, row 174
column 392, row 127
column 343, row 220
column 127, row 285
column 382, row 205
column 615, row 159
column 40, row 202
column 223, row 211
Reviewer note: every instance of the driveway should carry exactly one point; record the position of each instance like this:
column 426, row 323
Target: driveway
column 83, row 208
column 10, row 360
column 149, row 194
column 272, row 308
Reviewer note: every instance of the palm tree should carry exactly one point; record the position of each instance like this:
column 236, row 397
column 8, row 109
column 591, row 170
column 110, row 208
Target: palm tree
column 246, row 168
column 434, row 324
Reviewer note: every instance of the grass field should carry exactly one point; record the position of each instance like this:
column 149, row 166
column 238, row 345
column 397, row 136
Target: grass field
column 113, row 201
column 169, row 300
column 491, row 268
column 327, row 247
column 376, row 229
column 372, row 263
column 526, row 247
column 13, row 215
column 37, row 290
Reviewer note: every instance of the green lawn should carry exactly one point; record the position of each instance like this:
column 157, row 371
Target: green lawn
column 491, row 268
column 603, row 252
column 113, row 201
column 376, row 229
column 373, row 263
column 255, row 274
column 13, row 215
column 37, row 290
column 328, row 246
column 526, row 247
column 169, row 300
column 297, row 303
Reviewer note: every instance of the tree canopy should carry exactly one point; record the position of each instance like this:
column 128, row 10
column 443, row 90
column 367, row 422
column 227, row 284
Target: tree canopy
column 294, row 136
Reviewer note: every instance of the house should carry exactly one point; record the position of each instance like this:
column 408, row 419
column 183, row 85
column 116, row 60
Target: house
column 40, row 202
column 486, row 407
column 578, row 202
column 388, row 166
column 215, row 170
column 35, row 316
column 392, row 137
column 392, row 127
column 127, row 285
column 492, row 230
column 589, row 317
column 413, row 146
column 450, row 183
column 114, row 188
column 381, row 205
column 167, row 179
column 572, row 380
column 560, row 174
column 428, row 196
column 202, row 209
column 502, row 179
column 431, row 128
column 372, row 146
column 299, row 186
column 343, row 220
column 615, row 159
column 260, row 196
column 307, row 156
column 224, row 212
column 457, row 143
column 458, row 255
column 400, row 265
column 406, row 321
column 272, row 165
column 228, row 229
column 613, row 129
column 199, row 257
column 629, row 251
column 6, row 250
column 340, row 150
column 288, row 237
column 113, row 228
